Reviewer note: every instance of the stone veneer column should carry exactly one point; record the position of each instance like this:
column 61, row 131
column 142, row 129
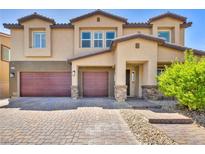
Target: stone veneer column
column 74, row 92
column 120, row 93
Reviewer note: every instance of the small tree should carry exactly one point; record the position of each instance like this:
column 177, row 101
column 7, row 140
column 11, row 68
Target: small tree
column 185, row 81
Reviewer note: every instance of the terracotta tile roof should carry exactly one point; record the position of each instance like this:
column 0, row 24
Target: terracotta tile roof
column 62, row 25
column 4, row 34
column 143, row 36
column 35, row 15
column 186, row 25
column 99, row 12
column 88, row 54
column 168, row 14
column 137, row 35
column 182, row 48
column 134, row 25
column 12, row 26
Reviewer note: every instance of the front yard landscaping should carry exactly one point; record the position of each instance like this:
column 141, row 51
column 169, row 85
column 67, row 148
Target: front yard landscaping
column 172, row 106
column 186, row 82
column 145, row 132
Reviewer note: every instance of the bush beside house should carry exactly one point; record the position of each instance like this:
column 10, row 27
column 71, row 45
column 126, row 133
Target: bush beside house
column 185, row 81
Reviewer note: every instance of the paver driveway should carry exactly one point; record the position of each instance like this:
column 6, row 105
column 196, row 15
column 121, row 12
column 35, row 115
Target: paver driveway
column 20, row 123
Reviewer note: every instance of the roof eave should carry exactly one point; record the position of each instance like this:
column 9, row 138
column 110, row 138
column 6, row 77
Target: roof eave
column 88, row 55
column 186, row 25
column 137, row 25
column 35, row 15
column 97, row 12
column 13, row 26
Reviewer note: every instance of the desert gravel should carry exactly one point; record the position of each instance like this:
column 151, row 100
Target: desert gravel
column 143, row 130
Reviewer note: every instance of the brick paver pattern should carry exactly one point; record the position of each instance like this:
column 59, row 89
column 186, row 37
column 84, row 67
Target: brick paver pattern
column 79, row 126
column 190, row 134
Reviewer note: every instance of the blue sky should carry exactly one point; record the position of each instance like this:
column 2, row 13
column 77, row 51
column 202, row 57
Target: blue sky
column 195, row 35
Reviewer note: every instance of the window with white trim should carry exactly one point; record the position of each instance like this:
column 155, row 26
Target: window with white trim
column 109, row 37
column 39, row 40
column 86, row 39
column 166, row 35
column 98, row 39
column 5, row 53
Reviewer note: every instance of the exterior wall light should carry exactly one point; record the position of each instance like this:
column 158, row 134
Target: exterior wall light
column 73, row 73
column 133, row 76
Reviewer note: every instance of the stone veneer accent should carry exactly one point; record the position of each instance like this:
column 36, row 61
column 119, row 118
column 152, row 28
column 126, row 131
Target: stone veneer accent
column 151, row 92
column 74, row 92
column 120, row 93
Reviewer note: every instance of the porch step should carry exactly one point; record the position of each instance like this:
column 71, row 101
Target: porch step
column 142, row 104
column 157, row 117
column 170, row 121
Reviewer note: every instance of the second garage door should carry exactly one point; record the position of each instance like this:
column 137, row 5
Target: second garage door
column 95, row 84
column 45, row 84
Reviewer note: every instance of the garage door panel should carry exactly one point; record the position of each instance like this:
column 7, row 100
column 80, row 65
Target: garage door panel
column 45, row 84
column 95, row 84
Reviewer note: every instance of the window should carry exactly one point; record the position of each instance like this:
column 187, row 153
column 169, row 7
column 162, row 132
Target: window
column 5, row 53
column 39, row 39
column 160, row 70
column 166, row 35
column 98, row 40
column 109, row 37
column 86, row 40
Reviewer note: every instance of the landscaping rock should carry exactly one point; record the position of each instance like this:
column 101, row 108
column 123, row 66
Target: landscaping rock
column 143, row 130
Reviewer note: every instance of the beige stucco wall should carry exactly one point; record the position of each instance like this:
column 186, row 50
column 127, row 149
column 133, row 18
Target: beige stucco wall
column 4, row 69
column 168, row 23
column 102, row 60
column 127, row 31
column 36, row 25
column 61, row 45
column 168, row 55
column 91, row 23
column 146, row 55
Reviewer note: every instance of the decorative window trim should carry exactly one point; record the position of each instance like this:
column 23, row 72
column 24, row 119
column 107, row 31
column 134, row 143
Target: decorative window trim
column 86, row 39
column 98, row 39
column 170, row 34
column 4, row 46
column 40, row 41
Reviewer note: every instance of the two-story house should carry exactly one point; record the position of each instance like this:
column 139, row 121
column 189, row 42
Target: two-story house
column 5, row 42
column 94, row 55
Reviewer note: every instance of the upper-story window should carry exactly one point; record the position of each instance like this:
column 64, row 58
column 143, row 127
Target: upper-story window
column 5, row 53
column 166, row 35
column 98, row 39
column 39, row 40
column 109, row 37
column 86, row 39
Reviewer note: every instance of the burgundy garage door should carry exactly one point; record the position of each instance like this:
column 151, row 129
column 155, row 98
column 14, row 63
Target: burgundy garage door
column 95, row 84
column 45, row 84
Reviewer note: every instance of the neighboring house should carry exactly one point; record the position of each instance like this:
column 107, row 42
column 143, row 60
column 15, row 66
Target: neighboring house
column 95, row 55
column 4, row 64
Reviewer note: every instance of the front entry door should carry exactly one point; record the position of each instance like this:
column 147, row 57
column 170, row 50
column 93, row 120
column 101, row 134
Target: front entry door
column 128, row 82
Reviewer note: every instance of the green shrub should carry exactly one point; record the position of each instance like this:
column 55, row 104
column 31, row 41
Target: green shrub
column 185, row 81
